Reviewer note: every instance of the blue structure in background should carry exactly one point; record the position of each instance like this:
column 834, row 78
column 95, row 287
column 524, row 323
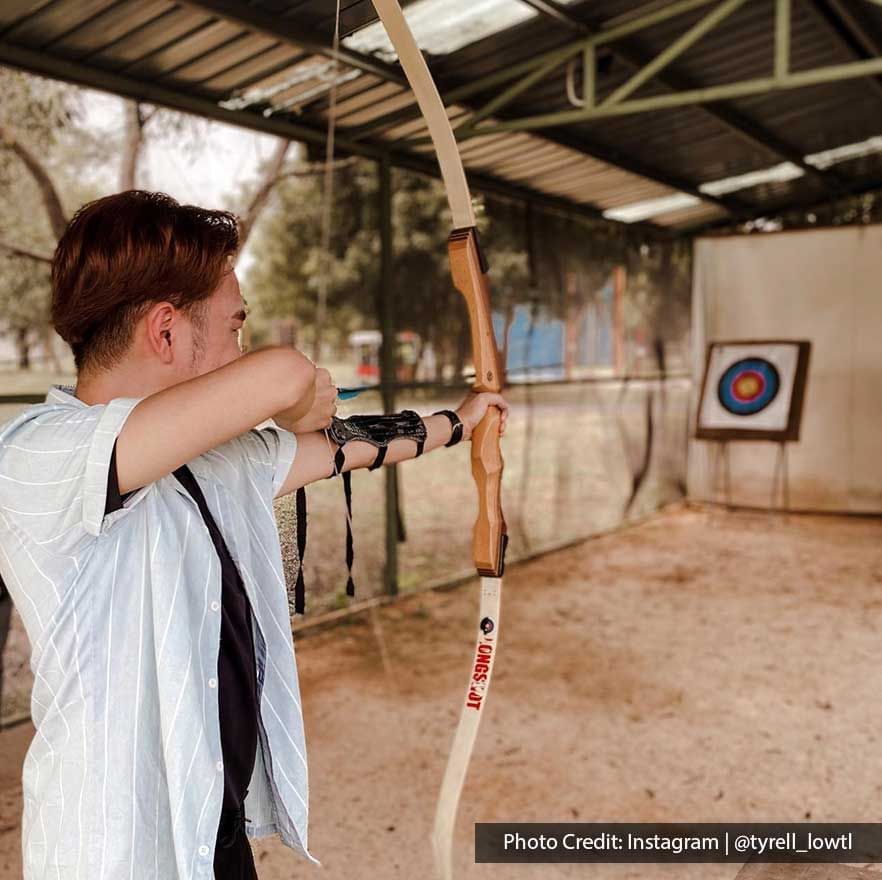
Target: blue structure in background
column 539, row 352
column 594, row 337
column 533, row 352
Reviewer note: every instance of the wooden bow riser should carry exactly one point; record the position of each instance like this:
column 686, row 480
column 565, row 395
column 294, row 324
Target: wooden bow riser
column 469, row 276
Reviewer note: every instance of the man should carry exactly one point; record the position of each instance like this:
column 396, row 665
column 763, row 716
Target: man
column 137, row 539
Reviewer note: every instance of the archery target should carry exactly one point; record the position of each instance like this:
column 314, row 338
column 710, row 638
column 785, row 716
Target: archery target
column 749, row 387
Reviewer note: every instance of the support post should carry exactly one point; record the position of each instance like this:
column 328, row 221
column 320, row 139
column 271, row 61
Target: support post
column 782, row 39
column 619, row 282
column 388, row 367
column 721, row 469
column 589, row 75
column 573, row 313
column 781, row 478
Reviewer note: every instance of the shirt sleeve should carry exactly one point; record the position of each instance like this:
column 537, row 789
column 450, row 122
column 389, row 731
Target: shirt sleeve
column 259, row 460
column 54, row 469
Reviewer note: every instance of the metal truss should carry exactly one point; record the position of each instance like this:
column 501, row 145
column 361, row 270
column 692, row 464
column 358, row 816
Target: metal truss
column 583, row 95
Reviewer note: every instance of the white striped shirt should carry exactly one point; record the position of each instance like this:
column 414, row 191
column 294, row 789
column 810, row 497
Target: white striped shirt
column 124, row 776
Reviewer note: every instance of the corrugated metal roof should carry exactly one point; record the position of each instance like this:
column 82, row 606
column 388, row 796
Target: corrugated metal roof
column 265, row 63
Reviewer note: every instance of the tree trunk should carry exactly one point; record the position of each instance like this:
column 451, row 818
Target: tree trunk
column 22, row 343
column 134, row 139
column 48, row 192
column 509, row 319
column 49, row 347
column 265, row 185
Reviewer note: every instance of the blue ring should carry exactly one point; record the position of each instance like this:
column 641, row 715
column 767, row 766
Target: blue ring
column 726, row 386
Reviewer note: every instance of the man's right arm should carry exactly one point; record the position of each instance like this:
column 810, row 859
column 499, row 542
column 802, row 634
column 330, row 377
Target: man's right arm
column 175, row 425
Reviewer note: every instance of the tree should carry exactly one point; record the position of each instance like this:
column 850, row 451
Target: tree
column 37, row 116
column 24, row 301
column 285, row 277
column 290, row 259
column 44, row 147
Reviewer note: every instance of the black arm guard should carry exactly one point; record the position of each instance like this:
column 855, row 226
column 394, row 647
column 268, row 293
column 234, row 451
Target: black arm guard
column 379, row 431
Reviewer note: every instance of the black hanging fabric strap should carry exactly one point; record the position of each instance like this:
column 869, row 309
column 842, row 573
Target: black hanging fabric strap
column 381, row 457
column 350, row 552
column 339, row 462
column 379, row 431
column 299, row 586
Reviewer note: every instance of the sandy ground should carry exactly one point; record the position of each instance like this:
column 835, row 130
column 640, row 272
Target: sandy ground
column 702, row 666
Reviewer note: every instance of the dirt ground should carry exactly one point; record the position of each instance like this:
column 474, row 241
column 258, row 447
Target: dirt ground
column 701, row 666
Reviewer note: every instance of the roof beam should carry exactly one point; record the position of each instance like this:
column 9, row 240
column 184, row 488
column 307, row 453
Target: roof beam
column 853, row 30
column 805, row 204
column 616, row 158
column 68, row 70
column 736, row 122
column 559, row 14
column 628, row 51
column 281, row 28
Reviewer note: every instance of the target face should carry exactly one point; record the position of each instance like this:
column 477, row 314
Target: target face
column 753, row 390
column 748, row 386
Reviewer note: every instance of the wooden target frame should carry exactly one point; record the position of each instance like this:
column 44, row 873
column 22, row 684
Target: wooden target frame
column 790, row 432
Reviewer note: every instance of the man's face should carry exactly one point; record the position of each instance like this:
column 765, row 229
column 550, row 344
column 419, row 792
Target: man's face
column 216, row 328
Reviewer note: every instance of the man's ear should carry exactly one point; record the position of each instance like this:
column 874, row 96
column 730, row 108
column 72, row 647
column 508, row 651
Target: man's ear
column 162, row 324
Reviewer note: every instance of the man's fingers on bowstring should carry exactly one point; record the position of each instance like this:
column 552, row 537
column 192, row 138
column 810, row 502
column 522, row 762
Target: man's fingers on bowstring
column 324, row 385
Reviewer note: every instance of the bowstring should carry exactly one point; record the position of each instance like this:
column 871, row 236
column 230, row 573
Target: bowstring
column 328, row 212
column 328, row 192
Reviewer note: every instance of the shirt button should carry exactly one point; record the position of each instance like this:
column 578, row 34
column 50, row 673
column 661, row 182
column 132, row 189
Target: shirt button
column 220, row 765
column 215, row 606
column 203, row 850
column 212, row 682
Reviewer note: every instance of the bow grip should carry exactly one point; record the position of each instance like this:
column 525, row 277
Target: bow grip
column 468, row 268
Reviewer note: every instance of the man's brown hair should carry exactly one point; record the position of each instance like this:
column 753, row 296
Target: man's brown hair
column 122, row 253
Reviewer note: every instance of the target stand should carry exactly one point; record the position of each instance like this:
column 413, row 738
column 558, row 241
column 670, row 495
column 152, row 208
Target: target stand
column 753, row 390
column 721, row 477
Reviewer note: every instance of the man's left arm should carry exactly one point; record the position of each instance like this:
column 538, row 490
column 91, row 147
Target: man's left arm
column 315, row 452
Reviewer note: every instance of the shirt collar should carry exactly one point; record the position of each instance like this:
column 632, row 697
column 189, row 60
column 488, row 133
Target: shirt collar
column 63, row 394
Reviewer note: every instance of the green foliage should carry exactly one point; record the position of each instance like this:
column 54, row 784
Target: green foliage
column 289, row 262
column 46, row 118
column 40, row 109
column 24, row 292
column 24, row 300
column 660, row 292
column 35, row 112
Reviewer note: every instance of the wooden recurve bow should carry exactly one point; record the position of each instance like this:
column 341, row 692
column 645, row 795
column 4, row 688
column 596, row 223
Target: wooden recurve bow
column 469, row 271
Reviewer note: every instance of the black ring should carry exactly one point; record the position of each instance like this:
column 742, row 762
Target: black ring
column 456, row 424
